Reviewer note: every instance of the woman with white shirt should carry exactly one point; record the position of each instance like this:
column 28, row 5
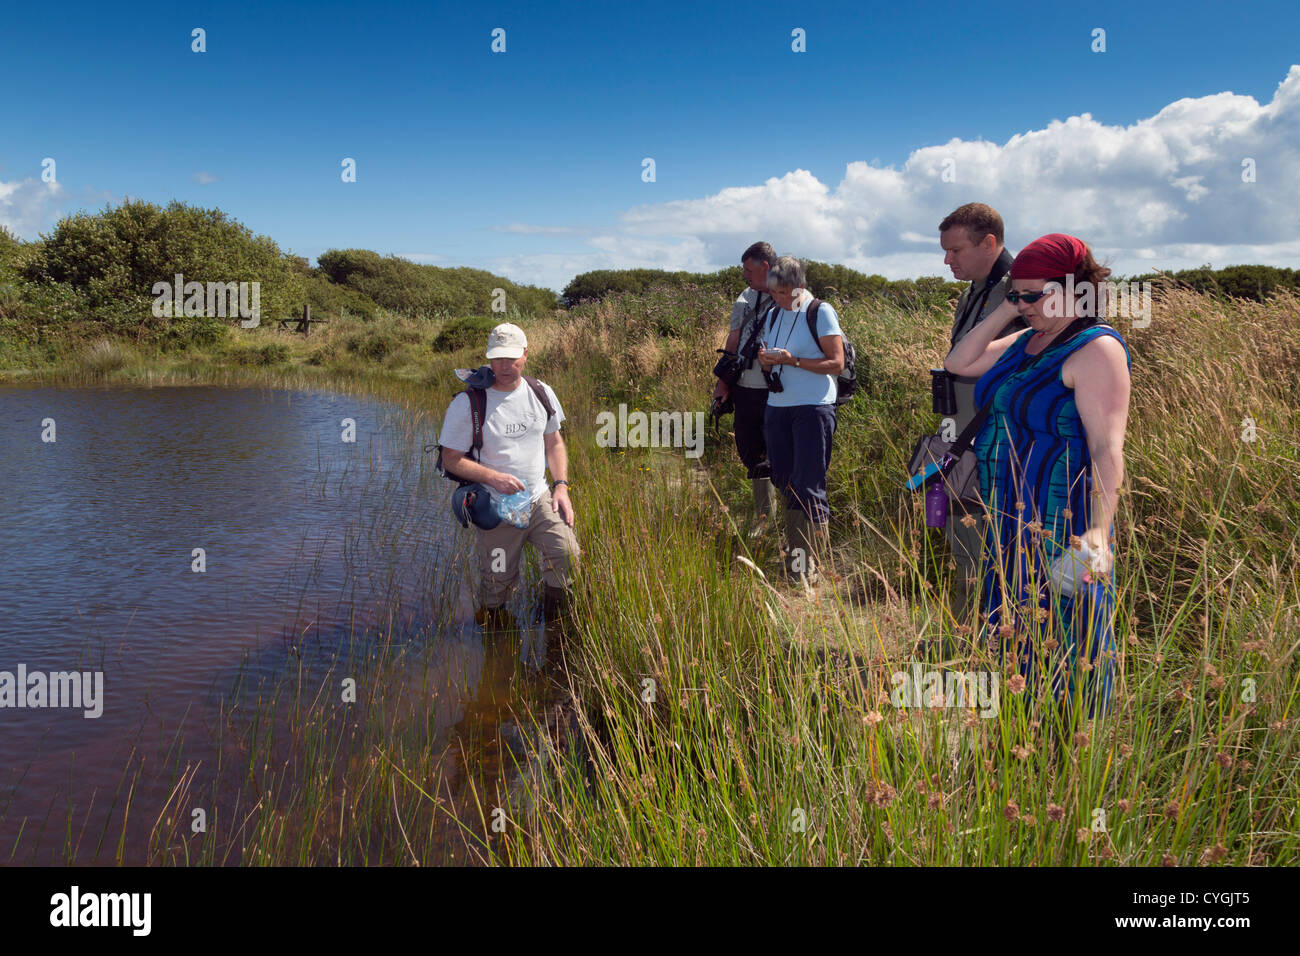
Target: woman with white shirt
column 800, row 369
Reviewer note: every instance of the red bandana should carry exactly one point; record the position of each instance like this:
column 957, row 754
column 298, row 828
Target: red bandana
column 1049, row 257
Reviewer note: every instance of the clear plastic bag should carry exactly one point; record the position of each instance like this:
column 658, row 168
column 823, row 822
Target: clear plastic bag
column 515, row 509
column 1071, row 570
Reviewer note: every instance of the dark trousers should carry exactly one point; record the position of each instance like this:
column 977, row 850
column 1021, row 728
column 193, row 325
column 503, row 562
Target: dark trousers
column 967, row 546
column 799, row 450
column 751, row 406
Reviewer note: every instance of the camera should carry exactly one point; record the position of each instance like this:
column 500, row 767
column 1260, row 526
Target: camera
column 727, row 368
column 943, row 394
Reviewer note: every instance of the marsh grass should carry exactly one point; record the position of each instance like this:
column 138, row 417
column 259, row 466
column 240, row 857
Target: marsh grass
column 712, row 716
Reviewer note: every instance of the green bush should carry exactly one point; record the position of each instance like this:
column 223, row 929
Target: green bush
column 423, row 291
column 196, row 332
column 115, row 257
column 11, row 300
column 321, row 356
column 48, row 304
column 11, row 255
column 470, row 331
column 1256, row 283
column 329, row 298
column 837, row 284
column 605, row 283
column 105, row 355
column 269, row 353
column 372, row 344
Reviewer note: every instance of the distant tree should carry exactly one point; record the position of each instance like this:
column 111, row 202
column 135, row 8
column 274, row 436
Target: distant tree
column 424, row 290
column 113, row 259
column 834, row 283
column 1238, row 282
column 11, row 248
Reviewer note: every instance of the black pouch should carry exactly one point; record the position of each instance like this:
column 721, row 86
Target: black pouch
column 727, row 368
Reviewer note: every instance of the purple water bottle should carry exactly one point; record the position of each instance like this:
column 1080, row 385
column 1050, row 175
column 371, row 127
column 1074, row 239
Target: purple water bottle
column 936, row 506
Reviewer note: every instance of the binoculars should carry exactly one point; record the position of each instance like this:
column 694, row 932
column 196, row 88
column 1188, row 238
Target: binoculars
column 943, row 395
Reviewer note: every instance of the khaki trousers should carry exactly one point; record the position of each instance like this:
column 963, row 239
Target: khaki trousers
column 500, row 550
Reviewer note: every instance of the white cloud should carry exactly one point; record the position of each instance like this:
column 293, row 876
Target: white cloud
column 203, row 177
column 28, row 206
column 1165, row 192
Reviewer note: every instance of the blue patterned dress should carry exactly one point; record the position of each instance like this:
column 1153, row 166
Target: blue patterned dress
column 1035, row 475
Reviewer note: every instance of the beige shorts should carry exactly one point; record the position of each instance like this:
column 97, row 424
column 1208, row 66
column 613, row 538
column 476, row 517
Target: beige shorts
column 500, row 549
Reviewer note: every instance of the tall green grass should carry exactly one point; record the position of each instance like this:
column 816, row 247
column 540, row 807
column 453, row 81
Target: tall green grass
column 705, row 715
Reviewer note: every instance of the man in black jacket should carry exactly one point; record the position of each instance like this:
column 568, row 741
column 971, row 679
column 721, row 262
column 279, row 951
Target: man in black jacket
column 972, row 241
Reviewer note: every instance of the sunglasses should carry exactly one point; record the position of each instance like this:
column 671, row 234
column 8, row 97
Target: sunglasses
column 1031, row 297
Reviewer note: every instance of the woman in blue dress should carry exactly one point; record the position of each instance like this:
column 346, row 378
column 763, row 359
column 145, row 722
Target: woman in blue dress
column 1051, row 461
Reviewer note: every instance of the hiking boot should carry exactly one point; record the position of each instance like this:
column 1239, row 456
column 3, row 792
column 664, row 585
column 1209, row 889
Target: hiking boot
column 762, row 488
column 820, row 537
column 800, row 563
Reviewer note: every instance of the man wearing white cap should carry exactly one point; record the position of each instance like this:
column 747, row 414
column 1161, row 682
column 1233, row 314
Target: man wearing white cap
column 520, row 440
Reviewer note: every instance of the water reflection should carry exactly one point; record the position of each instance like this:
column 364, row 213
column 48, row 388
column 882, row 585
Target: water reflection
column 206, row 548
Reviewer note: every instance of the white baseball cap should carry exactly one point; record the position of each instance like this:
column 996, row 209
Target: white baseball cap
column 506, row 341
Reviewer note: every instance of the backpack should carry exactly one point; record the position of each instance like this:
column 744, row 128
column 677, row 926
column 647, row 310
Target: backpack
column 846, row 384
column 477, row 412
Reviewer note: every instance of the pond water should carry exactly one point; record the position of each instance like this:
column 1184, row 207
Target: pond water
column 309, row 543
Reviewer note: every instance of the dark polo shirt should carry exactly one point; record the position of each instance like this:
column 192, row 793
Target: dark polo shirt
column 965, row 319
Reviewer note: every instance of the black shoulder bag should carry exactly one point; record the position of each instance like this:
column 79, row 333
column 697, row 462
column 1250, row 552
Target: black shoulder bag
column 730, row 366
column 953, row 462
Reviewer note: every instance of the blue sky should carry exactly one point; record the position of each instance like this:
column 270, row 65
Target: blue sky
column 529, row 162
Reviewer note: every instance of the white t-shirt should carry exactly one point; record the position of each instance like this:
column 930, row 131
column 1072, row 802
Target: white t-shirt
column 747, row 306
column 513, row 425
column 789, row 330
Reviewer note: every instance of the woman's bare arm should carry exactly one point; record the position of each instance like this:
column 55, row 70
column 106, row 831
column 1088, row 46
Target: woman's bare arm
column 980, row 349
column 1101, row 393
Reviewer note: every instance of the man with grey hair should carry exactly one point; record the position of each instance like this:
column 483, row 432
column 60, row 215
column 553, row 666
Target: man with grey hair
column 972, row 240
column 749, row 393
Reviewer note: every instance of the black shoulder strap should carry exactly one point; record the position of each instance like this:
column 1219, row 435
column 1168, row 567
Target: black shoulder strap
column 759, row 313
column 811, row 316
column 975, row 301
column 540, row 392
column 755, row 330
column 967, row 436
column 477, row 411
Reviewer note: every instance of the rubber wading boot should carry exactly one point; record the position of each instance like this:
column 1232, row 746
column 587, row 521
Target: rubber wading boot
column 831, row 560
column 494, row 618
column 762, row 506
column 555, row 603
column 801, row 565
